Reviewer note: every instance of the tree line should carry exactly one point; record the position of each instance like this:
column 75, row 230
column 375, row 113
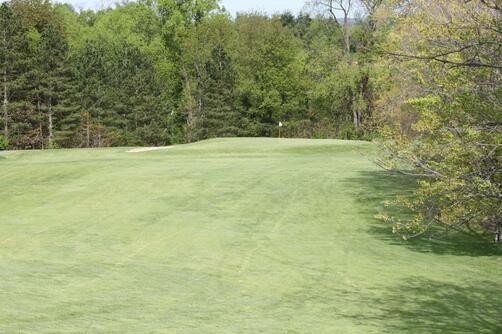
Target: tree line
column 164, row 72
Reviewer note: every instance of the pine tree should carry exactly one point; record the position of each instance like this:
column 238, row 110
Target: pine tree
column 219, row 118
column 12, row 44
column 28, row 123
column 54, row 83
column 91, row 94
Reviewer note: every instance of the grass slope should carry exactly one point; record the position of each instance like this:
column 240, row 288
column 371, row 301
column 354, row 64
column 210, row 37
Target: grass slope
column 225, row 236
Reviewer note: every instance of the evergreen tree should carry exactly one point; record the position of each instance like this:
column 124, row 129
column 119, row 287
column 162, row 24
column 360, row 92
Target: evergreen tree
column 12, row 46
column 220, row 118
column 92, row 95
column 54, row 83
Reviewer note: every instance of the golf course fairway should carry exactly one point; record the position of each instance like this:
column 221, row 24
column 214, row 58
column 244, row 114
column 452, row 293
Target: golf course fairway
column 227, row 236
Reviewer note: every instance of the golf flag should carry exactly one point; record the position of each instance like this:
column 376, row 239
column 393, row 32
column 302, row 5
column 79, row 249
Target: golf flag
column 280, row 124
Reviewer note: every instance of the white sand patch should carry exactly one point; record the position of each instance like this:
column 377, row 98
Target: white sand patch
column 149, row 149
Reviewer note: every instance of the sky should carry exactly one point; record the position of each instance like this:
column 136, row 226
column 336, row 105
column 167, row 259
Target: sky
column 268, row 6
column 233, row 6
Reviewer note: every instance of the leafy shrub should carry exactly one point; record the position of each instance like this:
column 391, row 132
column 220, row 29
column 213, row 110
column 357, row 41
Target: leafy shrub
column 4, row 143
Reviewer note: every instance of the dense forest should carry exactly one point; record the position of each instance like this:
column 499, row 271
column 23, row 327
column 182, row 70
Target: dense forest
column 157, row 73
column 421, row 77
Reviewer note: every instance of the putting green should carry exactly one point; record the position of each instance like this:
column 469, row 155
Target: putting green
column 226, row 236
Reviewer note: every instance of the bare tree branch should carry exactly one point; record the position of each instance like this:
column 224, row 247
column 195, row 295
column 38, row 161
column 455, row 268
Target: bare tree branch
column 471, row 63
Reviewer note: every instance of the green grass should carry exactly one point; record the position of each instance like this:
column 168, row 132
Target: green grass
column 226, row 236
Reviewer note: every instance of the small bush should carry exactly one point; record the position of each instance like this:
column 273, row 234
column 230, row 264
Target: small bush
column 349, row 132
column 4, row 143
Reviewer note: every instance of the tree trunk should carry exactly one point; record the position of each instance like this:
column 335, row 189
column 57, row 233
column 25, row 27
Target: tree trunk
column 346, row 31
column 40, row 128
column 51, row 136
column 189, row 108
column 5, row 105
column 88, row 130
column 498, row 233
column 136, row 116
column 355, row 113
column 98, row 135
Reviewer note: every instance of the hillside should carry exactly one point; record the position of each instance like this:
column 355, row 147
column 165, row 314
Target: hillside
column 226, row 236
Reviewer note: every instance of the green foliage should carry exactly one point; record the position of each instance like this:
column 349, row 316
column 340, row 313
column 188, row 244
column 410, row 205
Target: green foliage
column 454, row 144
column 163, row 72
column 4, row 143
column 220, row 118
column 269, row 63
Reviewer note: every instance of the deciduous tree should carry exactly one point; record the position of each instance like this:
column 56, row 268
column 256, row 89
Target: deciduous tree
column 455, row 144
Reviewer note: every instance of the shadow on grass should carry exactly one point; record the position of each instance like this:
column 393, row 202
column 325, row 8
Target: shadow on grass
column 378, row 186
column 427, row 306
